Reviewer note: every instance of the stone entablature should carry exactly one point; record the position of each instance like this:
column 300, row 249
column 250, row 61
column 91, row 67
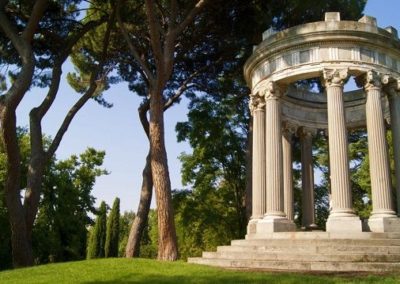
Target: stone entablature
column 300, row 52
column 310, row 109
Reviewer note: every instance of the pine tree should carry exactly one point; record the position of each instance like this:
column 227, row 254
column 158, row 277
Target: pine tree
column 98, row 234
column 112, row 237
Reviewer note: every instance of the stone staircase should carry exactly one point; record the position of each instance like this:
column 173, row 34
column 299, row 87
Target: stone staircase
column 310, row 251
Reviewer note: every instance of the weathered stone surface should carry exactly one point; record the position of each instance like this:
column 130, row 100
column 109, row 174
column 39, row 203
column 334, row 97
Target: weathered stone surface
column 272, row 224
column 345, row 223
column 384, row 224
column 310, row 251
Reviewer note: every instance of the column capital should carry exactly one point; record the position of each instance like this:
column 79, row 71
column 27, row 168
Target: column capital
column 256, row 102
column 272, row 91
column 289, row 129
column 393, row 88
column 304, row 132
column 372, row 80
column 334, row 77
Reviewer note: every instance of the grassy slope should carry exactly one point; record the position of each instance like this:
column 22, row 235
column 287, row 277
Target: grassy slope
column 122, row 270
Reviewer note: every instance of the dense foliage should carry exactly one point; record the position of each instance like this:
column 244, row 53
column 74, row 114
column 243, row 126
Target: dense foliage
column 61, row 227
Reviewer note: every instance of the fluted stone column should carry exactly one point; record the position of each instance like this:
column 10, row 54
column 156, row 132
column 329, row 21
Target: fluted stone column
column 382, row 202
column 394, row 104
column 287, row 138
column 307, row 177
column 257, row 108
column 342, row 217
column 275, row 218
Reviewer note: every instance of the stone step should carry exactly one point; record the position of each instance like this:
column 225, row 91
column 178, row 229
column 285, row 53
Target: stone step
column 313, row 235
column 307, row 242
column 299, row 265
column 312, row 249
column 354, row 257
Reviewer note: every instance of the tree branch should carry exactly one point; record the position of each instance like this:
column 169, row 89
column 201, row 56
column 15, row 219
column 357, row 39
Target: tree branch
column 143, row 109
column 88, row 94
column 154, row 36
column 184, row 86
column 37, row 13
column 11, row 32
column 143, row 65
column 17, row 91
column 190, row 16
column 173, row 33
column 68, row 119
column 174, row 14
column 57, row 71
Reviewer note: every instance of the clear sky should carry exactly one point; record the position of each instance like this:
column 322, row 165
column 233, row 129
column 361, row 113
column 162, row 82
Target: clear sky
column 119, row 133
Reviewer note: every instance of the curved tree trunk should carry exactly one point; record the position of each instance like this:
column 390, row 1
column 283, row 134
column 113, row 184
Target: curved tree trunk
column 167, row 243
column 140, row 221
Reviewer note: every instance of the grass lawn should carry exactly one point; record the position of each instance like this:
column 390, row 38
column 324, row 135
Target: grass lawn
column 123, row 270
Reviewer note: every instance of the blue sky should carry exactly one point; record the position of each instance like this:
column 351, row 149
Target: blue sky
column 119, row 133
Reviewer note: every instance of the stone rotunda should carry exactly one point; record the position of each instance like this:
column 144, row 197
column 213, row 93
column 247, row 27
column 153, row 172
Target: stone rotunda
column 334, row 51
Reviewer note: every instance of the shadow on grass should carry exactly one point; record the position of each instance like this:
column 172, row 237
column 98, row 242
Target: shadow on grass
column 223, row 279
column 257, row 277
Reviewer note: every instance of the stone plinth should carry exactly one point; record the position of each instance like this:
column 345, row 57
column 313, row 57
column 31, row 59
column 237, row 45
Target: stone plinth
column 384, row 224
column 268, row 225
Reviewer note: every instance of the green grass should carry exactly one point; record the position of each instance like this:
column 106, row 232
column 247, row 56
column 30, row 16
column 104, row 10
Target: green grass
column 121, row 270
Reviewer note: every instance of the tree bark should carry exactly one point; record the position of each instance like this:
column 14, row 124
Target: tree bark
column 21, row 248
column 140, row 221
column 167, row 243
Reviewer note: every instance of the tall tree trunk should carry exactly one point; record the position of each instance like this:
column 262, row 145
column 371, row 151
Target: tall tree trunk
column 140, row 221
column 167, row 243
column 21, row 247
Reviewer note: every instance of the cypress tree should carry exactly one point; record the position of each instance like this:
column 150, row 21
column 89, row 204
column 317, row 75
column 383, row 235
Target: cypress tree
column 112, row 237
column 98, row 235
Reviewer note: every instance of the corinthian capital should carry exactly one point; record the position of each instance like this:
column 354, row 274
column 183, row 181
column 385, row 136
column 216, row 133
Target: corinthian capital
column 272, row 91
column 289, row 129
column 393, row 88
column 305, row 132
column 256, row 102
column 372, row 80
column 334, row 77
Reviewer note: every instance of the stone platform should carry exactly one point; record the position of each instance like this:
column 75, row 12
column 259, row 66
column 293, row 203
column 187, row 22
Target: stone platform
column 310, row 251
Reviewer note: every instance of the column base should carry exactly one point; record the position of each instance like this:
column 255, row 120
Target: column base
column 344, row 224
column 252, row 226
column 272, row 225
column 384, row 224
column 312, row 227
